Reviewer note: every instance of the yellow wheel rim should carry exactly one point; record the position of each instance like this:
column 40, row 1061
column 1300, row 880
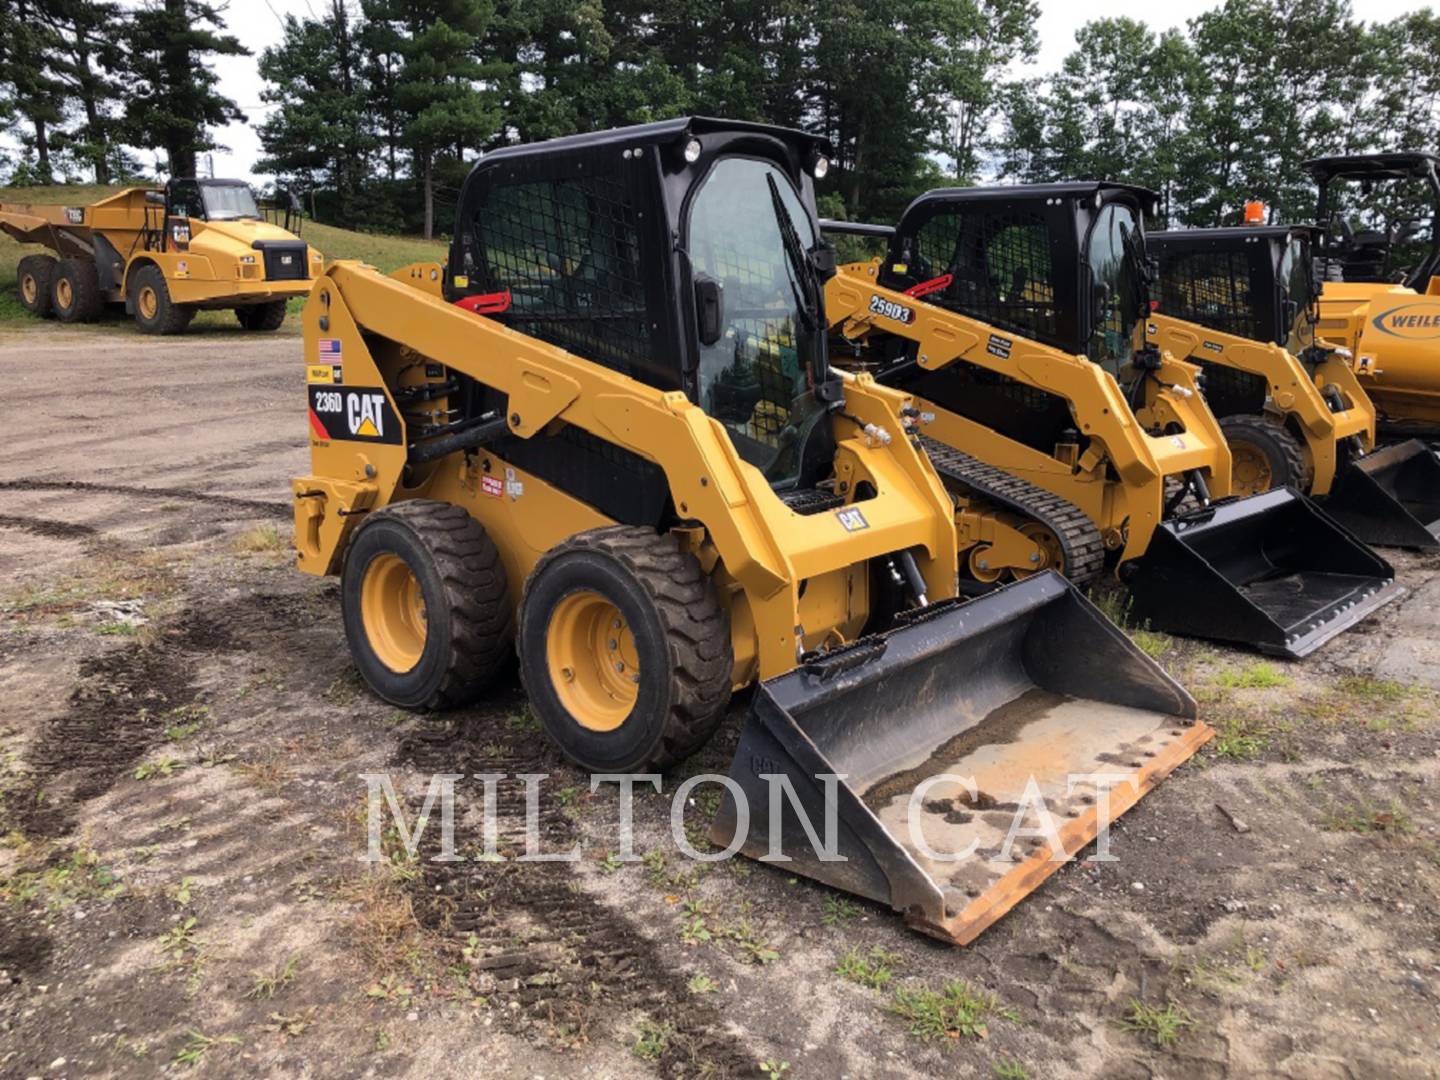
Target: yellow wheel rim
column 149, row 302
column 593, row 663
column 392, row 608
column 63, row 293
column 1052, row 554
column 1249, row 470
column 29, row 289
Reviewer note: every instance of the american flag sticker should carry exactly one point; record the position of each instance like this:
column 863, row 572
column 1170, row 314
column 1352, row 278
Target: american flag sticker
column 329, row 350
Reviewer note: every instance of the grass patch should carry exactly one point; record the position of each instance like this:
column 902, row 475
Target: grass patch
column 874, row 970
column 57, row 878
column 955, row 1011
column 1363, row 818
column 1010, row 1070
column 198, row 1044
column 836, row 910
column 1163, row 1027
column 261, row 538
column 266, row 984
column 1260, row 675
column 1368, row 688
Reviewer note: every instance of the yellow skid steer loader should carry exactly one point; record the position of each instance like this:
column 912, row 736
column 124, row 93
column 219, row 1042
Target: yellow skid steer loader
column 1241, row 303
column 607, row 436
column 1016, row 316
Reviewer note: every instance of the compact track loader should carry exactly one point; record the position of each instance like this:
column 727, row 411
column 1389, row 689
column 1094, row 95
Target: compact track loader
column 606, row 436
column 164, row 254
column 1380, row 294
column 1241, row 303
column 1016, row 317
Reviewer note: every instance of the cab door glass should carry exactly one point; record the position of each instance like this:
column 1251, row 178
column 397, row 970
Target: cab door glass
column 1115, row 292
column 757, row 378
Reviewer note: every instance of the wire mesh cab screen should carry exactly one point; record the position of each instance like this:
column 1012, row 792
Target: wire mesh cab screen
column 564, row 256
column 1001, row 268
column 1214, row 287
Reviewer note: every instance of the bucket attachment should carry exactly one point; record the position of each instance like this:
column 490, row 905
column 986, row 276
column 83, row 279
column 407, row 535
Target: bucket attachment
column 1271, row 571
column 1390, row 498
column 1025, row 707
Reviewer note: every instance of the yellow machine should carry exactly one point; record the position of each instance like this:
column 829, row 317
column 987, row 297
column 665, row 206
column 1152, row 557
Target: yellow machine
column 1017, row 317
column 1241, row 303
column 627, row 459
column 196, row 245
column 1381, row 295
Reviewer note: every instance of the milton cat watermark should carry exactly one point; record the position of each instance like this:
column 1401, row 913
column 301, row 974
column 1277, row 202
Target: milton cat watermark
column 954, row 800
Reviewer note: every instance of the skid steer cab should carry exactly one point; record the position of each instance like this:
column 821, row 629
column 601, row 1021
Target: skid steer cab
column 1380, row 293
column 1017, row 318
column 607, row 437
column 1242, row 303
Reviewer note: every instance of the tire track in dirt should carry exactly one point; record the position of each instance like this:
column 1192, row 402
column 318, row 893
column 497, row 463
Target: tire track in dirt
column 232, row 502
column 118, row 709
column 536, row 937
column 49, row 528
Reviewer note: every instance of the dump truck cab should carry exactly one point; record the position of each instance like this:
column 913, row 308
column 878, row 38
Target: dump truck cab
column 1380, row 294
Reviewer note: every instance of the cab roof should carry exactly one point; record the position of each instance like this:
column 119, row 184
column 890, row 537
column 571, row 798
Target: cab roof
column 1390, row 166
column 659, row 132
column 1068, row 189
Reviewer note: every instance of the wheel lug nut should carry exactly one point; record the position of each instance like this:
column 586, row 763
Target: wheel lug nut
column 568, row 674
column 619, row 665
column 613, row 644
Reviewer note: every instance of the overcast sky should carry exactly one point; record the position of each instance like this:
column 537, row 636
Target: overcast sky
column 257, row 23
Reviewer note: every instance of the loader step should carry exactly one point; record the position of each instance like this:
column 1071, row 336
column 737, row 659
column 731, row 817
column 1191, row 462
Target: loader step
column 1079, row 538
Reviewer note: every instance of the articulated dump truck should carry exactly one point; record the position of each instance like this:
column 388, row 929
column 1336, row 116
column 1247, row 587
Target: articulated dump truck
column 165, row 254
column 1380, row 288
column 1242, row 303
column 627, row 458
column 1016, row 317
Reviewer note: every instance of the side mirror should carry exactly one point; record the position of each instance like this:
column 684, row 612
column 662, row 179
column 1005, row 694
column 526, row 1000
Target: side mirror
column 1290, row 311
column 709, row 308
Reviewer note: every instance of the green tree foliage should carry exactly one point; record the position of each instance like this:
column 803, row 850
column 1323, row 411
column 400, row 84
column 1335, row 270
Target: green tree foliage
column 173, row 100
column 319, row 135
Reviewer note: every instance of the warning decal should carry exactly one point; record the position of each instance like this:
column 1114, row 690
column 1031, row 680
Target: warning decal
column 360, row 413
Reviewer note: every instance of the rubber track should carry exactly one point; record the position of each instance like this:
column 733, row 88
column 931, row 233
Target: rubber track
column 475, row 594
column 701, row 654
column 1079, row 538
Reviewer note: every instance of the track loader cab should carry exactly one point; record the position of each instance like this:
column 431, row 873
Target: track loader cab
column 1243, row 303
column 1380, row 269
column 1018, row 316
column 607, row 437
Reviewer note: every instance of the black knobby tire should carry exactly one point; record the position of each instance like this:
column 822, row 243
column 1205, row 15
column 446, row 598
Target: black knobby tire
column 469, row 619
column 167, row 317
column 1269, row 437
column 262, row 317
column 75, row 291
column 33, row 277
column 680, row 634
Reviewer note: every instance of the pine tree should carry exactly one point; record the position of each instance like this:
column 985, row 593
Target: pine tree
column 174, row 103
column 87, row 61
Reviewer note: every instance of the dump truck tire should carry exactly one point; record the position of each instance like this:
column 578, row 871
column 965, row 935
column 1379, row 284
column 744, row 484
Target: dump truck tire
column 33, row 277
column 75, row 291
column 1265, row 455
column 262, row 316
column 426, row 607
column 155, row 312
column 624, row 649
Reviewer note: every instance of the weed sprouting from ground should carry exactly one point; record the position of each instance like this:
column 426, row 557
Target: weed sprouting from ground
column 651, row 1039
column 955, row 1011
column 875, row 969
column 1162, row 1026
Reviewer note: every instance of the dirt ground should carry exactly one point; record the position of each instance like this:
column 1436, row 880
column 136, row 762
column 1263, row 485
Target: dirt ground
column 182, row 885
